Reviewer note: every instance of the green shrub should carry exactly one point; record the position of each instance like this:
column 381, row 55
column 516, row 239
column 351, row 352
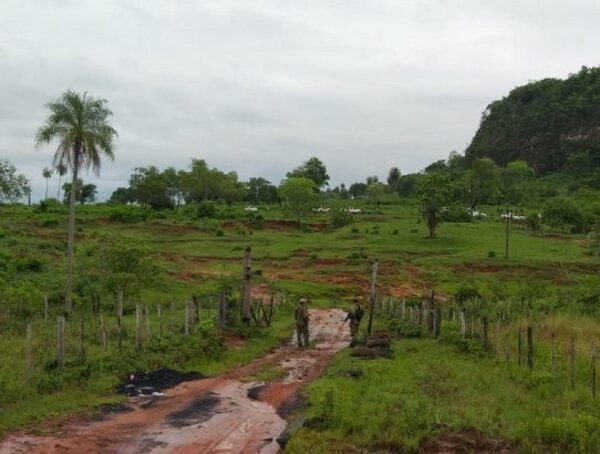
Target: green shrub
column 49, row 222
column 206, row 209
column 340, row 219
column 219, row 232
column 128, row 215
column 31, row 264
column 491, row 254
column 50, row 206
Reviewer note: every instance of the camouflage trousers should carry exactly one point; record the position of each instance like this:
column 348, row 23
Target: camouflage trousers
column 353, row 328
column 302, row 335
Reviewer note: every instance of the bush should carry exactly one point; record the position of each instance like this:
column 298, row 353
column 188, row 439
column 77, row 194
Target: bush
column 340, row 219
column 355, row 230
column 50, row 206
column 31, row 264
column 219, row 232
column 49, row 222
column 206, row 209
column 491, row 254
column 128, row 215
column 457, row 213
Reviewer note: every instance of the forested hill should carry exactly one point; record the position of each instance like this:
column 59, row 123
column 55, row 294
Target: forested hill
column 552, row 124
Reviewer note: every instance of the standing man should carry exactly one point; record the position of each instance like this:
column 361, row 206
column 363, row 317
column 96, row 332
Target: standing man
column 359, row 311
column 352, row 317
column 302, row 319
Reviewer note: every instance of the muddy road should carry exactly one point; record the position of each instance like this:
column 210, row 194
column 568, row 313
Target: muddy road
column 213, row 415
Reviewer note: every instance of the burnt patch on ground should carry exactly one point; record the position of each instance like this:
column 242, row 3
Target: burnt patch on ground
column 254, row 392
column 141, row 382
column 108, row 410
column 466, row 441
column 198, row 411
column 296, row 403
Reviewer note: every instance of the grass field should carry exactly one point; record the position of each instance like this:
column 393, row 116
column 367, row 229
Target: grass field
column 428, row 387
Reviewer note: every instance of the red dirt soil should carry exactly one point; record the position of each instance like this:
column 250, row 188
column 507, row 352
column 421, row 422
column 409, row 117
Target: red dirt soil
column 213, row 415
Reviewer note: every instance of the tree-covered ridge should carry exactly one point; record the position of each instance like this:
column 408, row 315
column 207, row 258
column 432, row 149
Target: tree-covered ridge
column 552, row 124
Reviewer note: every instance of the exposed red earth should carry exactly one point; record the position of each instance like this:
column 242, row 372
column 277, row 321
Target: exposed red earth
column 212, row 415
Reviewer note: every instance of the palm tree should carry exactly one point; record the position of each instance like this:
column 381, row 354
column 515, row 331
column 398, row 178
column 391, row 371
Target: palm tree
column 81, row 125
column 61, row 168
column 47, row 174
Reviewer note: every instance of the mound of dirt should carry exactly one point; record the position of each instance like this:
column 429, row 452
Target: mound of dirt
column 466, row 441
column 154, row 381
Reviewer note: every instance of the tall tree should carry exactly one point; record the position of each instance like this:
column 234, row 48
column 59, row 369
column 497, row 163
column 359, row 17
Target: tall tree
column 435, row 190
column 47, row 174
column 314, row 170
column 298, row 197
column 393, row 178
column 13, row 186
column 483, row 180
column 81, row 126
column 61, row 169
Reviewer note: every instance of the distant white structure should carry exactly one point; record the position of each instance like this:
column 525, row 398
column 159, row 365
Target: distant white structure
column 352, row 210
column 251, row 209
column 476, row 214
column 512, row 216
column 321, row 210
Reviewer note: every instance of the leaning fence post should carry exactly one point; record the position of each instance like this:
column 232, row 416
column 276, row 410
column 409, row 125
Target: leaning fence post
column 186, row 321
column 160, row 320
column 46, row 309
column 593, row 370
column 103, row 329
column 463, row 324
column 485, row 333
column 553, row 356
column 28, row 348
column 120, row 319
column 498, row 338
column 147, row 320
column 60, row 341
column 572, row 360
column 138, row 326
column 530, row 357
column 520, row 346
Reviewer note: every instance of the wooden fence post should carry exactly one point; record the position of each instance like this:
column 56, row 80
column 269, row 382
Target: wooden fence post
column 572, row 361
column 222, row 310
column 246, row 286
column 82, row 336
column 485, row 333
column 138, row 326
column 60, row 341
column 593, row 370
column 463, row 324
column 147, row 320
column 28, row 348
column 437, row 325
column 160, row 320
column 372, row 295
column 553, row 356
column 120, row 320
column 186, row 323
column 498, row 338
column 520, row 346
column 530, row 356
column 103, row 329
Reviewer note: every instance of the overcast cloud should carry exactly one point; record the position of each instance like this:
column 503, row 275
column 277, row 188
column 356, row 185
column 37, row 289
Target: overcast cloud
column 260, row 86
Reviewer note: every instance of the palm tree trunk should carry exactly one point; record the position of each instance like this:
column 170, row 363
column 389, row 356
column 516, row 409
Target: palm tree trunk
column 58, row 191
column 71, row 239
column 46, row 198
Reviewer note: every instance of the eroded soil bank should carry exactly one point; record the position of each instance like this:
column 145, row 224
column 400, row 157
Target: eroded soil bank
column 212, row 415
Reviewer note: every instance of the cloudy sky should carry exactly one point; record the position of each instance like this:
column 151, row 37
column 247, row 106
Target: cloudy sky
column 259, row 86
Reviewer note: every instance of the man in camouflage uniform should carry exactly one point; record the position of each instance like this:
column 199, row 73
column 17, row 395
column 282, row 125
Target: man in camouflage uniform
column 352, row 317
column 302, row 319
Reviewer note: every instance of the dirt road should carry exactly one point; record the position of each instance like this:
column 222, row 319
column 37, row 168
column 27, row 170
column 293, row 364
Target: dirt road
column 213, row 415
